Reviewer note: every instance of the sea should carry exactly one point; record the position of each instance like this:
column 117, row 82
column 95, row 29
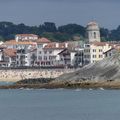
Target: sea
column 59, row 104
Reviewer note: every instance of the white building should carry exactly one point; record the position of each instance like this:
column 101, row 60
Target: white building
column 41, row 54
column 26, row 37
column 23, row 54
column 48, row 56
column 26, row 57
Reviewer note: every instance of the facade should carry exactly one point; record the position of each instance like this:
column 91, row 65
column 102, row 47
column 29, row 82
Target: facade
column 95, row 51
column 26, row 57
column 49, row 54
column 79, row 58
column 67, row 58
column 41, row 54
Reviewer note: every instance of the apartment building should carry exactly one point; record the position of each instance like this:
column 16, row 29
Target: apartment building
column 23, row 48
column 94, row 51
column 48, row 56
column 41, row 43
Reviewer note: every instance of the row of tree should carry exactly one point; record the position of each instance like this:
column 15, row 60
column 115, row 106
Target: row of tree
column 8, row 30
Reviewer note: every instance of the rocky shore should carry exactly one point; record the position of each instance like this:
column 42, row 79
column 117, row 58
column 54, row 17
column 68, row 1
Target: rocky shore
column 66, row 85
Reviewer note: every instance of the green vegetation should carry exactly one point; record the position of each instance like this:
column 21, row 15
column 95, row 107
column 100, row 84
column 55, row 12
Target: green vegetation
column 8, row 30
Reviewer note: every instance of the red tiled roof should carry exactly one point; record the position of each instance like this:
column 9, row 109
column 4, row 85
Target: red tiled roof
column 55, row 45
column 10, row 52
column 13, row 42
column 43, row 40
column 99, row 43
column 24, row 35
column 2, row 46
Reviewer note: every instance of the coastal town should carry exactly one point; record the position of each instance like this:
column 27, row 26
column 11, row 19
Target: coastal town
column 59, row 60
column 30, row 50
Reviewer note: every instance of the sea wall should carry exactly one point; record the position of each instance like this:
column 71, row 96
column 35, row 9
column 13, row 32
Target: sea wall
column 15, row 75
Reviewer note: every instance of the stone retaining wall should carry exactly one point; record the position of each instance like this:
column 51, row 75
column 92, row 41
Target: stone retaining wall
column 20, row 74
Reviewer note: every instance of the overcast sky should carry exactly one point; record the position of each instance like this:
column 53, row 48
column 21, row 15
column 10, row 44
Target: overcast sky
column 35, row 12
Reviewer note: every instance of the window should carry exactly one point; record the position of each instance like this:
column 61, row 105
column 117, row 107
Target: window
column 39, row 52
column 61, row 59
column 94, row 50
column 45, row 57
column 45, row 52
column 94, row 56
column 100, row 50
column 95, row 35
column 100, row 56
column 110, row 54
column 50, row 57
column 40, row 57
column 88, row 56
column 40, row 46
column 87, row 50
column 50, row 52
column 87, row 45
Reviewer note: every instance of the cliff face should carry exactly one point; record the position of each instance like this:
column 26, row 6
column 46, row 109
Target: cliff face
column 107, row 69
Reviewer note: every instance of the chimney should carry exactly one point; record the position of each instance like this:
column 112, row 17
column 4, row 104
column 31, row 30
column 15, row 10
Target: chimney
column 66, row 45
column 57, row 45
column 16, row 38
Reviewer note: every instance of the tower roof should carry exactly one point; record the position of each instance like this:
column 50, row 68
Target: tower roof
column 92, row 26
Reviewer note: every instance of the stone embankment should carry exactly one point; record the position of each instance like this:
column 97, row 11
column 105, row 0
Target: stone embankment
column 15, row 75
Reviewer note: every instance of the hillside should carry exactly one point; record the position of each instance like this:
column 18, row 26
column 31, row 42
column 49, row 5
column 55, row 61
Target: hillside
column 71, row 31
column 105, row 70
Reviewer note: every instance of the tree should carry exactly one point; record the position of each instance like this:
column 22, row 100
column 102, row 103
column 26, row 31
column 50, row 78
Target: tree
column 105, row 34
column 49, row 27
column 72, row 29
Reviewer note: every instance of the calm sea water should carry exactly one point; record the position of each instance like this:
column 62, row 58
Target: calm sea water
column 59, row 104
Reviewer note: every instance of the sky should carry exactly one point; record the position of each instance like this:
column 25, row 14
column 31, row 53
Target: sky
column 36, row 12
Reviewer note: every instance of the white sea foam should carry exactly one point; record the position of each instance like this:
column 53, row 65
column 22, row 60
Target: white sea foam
column 101, row 88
